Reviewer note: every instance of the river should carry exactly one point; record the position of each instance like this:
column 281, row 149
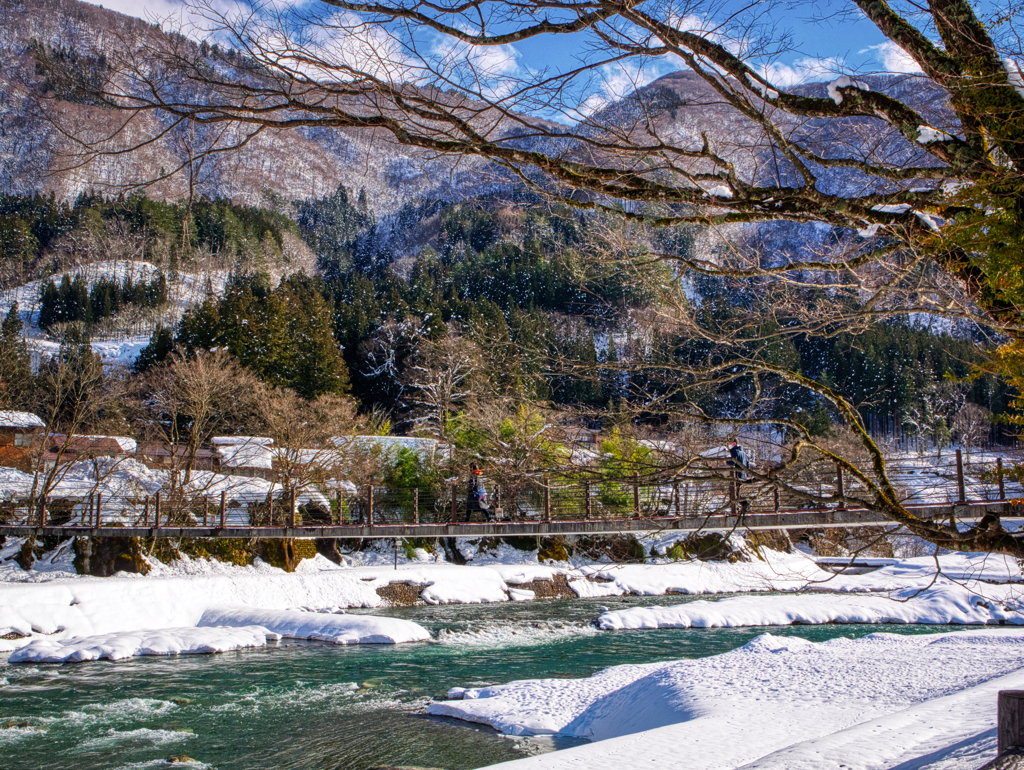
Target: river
column 316, row 706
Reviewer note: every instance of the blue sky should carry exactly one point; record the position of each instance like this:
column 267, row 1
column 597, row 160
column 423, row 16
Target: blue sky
column 820, row 50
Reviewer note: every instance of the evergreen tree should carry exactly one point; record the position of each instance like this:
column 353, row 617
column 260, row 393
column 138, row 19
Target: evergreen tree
column 16, row 381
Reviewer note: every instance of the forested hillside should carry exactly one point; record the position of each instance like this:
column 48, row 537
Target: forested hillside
column 500, row 289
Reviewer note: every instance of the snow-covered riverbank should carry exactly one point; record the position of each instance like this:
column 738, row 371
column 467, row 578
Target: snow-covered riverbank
column 49, row 606
column 882, row 701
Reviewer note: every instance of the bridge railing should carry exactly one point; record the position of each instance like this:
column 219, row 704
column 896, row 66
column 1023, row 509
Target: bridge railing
column 709, row 490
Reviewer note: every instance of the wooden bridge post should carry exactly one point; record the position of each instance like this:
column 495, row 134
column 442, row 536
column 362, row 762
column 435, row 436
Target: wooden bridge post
column 145, row 513
column 293, row 512
column 588, row 504
column 999, row 478
column 636, row 494
column 42, row 511
column 270, row 509
column 206, row 512
column 732, row 492
column 223, row 509
column 775, row 495
column 675, row 495
column 369, row 505
column 416, row 505
column 455, row 493
column 686, row 499
column 840, row 486
column 1010, row 720
column 547, row 499
column 961, row 488
column 99, row 509
column 156, row 522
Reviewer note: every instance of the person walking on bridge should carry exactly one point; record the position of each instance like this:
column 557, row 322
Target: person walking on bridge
column 476, row 494
column 741, row 462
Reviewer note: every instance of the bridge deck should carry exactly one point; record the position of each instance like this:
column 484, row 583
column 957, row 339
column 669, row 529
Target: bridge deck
column 805, row 519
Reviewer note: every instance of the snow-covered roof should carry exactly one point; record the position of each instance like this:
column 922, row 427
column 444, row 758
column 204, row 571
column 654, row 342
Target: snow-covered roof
column 424, row 447
column 20, row 420
column 245, row 451
column 715, row 453
column 240, row 440
column 128, row 445
column 722, row 453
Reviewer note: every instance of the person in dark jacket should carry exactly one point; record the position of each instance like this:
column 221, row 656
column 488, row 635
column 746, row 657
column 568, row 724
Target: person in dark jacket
column 739, row 459
column 476, row 494
column 741, row 462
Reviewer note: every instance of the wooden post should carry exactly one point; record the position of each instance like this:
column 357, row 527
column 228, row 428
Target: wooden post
column 775, row 494
column 145, row 513
column 42, row 511
column 686, row 499
column 396, row 553
column 156, row 522
column 999, row 478
column 223, row 509
column 293, row 513
column 416, row 505
column 270, row 509
column 675, row 495
column 455, row 491
column 636, row 494
column 840, row 486
column 732, row 493
column 99, row 509
column 547, row 499
column 961, row 488
column 206, row 512
column 588, row 504
column 369, row 505
column 498, row 512
column 1010, row 720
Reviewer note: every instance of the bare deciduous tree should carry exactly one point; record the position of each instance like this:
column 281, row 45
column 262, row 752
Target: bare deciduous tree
column 443, row 379
column 919, row 175
column 183, row 402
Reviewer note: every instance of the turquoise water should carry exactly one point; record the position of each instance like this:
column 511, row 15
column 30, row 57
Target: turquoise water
column 314, row 706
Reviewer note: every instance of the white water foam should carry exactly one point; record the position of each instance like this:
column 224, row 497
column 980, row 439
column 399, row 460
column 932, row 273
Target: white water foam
column 17, row 733
column 514, row 634
column 188, row 763
column 141, row 735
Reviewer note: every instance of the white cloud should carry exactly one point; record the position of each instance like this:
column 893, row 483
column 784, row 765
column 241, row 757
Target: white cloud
column 616, row 81
column 338, row 48
column 491, row 70
column 706, row 28
column 807, row 70
column 893, row 58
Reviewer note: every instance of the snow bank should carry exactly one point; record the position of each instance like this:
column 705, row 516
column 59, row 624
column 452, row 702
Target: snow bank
column 337, row 629
column 82, row 607
column 776, row 571
column 944, row 603
column 443, row 583
column 166, row 641
column 867, row 703
column 920, row 572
